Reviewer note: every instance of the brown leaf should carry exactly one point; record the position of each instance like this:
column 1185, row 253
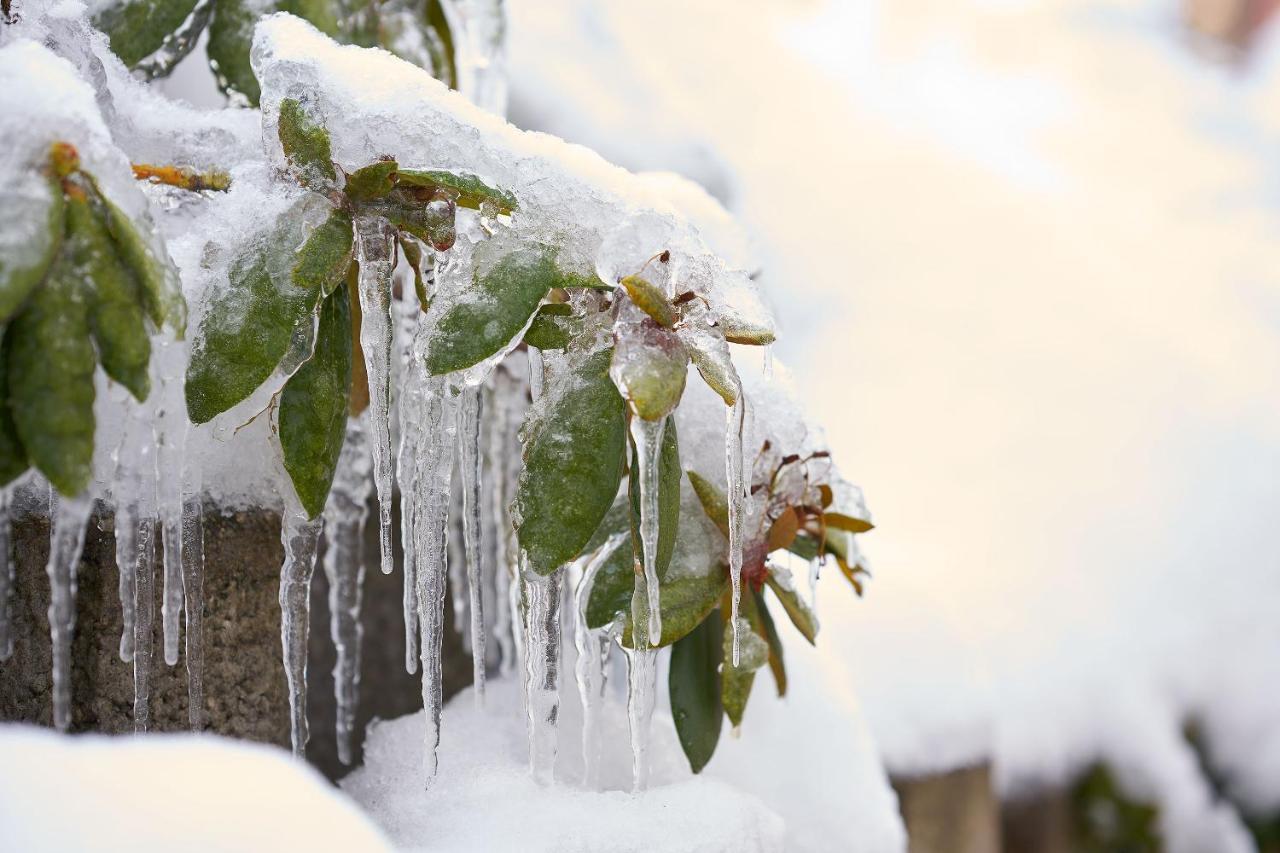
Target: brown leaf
column 783, row 530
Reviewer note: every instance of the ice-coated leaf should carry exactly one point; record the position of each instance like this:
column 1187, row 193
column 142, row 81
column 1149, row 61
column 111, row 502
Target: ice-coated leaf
column 651, row 300
column 770, row 632
column 313, row 406
column 465, row 189
column 359, row 372
column 550, row 328
column 13, row 457
column 28, row 245
column 373, row 181
column 694, row 685
column 306, row 144
column 486, row 316
column 709, row 352
column 616, row 579
column 684, row 602
column 840, row 521
column 432, row 220
column 231, row 36
column 753, row 653
column 158, row 281
column 250, row 323
column 138, row 28
column 50, row 365
column 739, row 331
column 801, row 616
column 573, row 459
column 327, row 254
column 116, row 315
column 649, row 367
column 712, row 499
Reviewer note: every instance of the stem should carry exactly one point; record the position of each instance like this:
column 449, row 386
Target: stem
column 182, row 177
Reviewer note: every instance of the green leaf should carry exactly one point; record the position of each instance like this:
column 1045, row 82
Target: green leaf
column 13, row 457
column 51, row 364
column 313, row 406
column 413, row 254
column 373, row 181
column 231, row 37
column 616, row 579
column 649, row 367
column 138, row 28
column 804, row 546
column 738, row 330
column 770, row 632
column 797, row 609
column 712, row 499
column 432, row 220
column 651, row 300
column 573, row 458
column 116, row 315
column 685, row 602
column 250, row 324
column 306, row 145
column 442, row 54
column 694, row 685
column 157, row 279
column 28, row 244
column 551, row 327
column 327, row 254
column 753, row 653
column 485, row 317
column 466, row 189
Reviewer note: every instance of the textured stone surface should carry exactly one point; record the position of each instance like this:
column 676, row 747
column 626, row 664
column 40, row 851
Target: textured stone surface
column 244, row 679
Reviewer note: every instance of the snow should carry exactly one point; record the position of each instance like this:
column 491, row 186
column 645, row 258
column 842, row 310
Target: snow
column 197, row 793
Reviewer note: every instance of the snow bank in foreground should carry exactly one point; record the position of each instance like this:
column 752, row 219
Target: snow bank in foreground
column 167, row 792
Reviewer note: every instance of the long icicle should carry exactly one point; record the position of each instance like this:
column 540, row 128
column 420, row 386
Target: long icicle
column 500, row 449
column 588, row 669
column 375, row 247
column 8, row 576
column 733, row 436
column 541, row 596
column 647, row 436
column 469, row 415
column 66, row 542
column 193, row 588
column 430, row 503
column 171, row 440
column 409, row 407
column 299, row 535
column 345, row 516
column 144, row 591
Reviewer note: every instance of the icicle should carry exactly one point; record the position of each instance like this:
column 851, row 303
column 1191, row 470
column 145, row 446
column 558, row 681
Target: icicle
column 768, row 361
column 375, row 249
column 588, row 669
column 430, row 505
column 504, row 463
column 733, row 435
column 481, row 71
column 345, row 516
column 641, row 689
column 456, row 561
column 299, row 536
column 7, row 578
column 68, row 518
column 171, row 440
column 648, row 440
column 126, row 560
column 193, row 590
column 541, row 598
column 536, row 374
column 815, row 567
column 469, row 414
column 409, row 407
column 144, row 591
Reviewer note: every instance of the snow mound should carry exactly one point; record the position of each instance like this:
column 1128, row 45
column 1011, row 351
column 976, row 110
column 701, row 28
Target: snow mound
column 167, row 792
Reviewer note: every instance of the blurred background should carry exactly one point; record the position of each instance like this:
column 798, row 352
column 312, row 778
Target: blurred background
column 1026, row 258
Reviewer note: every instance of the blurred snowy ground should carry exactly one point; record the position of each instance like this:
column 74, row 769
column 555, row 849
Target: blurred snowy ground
column 1027, row 261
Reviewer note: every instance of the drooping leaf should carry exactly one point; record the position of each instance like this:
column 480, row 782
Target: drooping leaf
column 779, row 580
column 550, row 328
column 50, row 364
column 684, row 602
column 840, row 521
column 753, row 653
column 327, row 254
column 770, row 632
column 488, row 315
column 250, row 324
column 306, row 144
column 709, row 351
column 651, row 300
column 28, row 241
column 573, row 459
column 466, row 189
column 373, row 181
column 138, row 28
column 413, row 254
column 13, row 456
column 649, row 367
column 613, row 585
column 314, row 403
column 116, row 315
column 157, row 279
column 440, row 41
column 694, row 685
column 712, row 499
column 783, row 530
